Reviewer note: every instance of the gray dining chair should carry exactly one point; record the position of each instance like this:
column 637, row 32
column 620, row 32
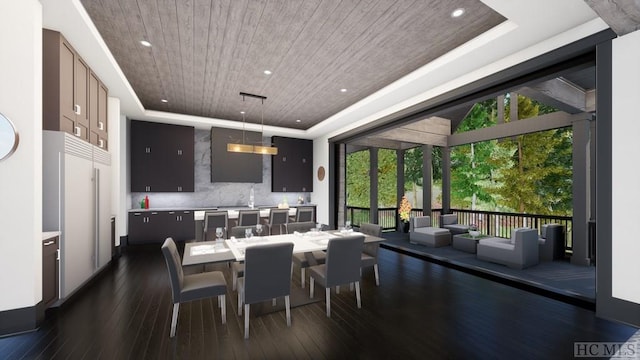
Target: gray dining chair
column 370, row 250
column 185, row 288
column 213, row 220
column 267, row 276
column 237, row 267
column 304, row 214
column 342, row 267
column 304, row 260
column 278, row 218
column 248, row 217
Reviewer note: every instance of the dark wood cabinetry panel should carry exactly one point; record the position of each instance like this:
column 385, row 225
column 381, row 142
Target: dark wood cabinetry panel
column 71, row 93
column 162, row 157
column 231, row 166
column 292, row 168
column 50, row 271
column 97, row 112
column 153, row 227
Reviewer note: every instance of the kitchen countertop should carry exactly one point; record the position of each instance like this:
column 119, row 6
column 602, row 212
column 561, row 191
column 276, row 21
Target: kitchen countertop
column 49, row 234
column 216, row 208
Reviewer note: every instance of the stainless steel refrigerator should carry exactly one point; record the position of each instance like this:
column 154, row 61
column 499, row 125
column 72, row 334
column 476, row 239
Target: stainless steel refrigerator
column 76, row 201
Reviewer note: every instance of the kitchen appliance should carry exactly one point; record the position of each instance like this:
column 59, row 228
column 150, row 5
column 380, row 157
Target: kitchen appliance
column 77, row 202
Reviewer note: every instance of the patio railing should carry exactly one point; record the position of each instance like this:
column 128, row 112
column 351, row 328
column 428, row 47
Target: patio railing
column 488, row 222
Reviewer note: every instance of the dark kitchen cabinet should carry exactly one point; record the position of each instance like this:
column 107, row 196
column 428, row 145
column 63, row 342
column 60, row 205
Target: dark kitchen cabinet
column 292, row 168
column 181, row 225
column 162, row 157
column 147, row 227
column 50, row 271
column 153, row 227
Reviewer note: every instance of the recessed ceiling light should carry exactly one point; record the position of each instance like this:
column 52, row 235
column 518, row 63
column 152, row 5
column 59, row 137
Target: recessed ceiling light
column 267, row 72
column 457, row 12
column 164, row 100
column 145, row 43
column 241, row 112
column 343, row 90
column 298, row 120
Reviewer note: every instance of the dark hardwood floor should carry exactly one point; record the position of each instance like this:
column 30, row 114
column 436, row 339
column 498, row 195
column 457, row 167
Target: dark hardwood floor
column 421, row 310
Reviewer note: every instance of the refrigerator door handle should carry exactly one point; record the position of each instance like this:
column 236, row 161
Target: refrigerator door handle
column 96, row 204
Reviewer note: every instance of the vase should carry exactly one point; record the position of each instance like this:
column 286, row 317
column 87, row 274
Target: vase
column 405, row 227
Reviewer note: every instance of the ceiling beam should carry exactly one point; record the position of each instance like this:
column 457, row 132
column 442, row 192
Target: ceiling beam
column 559, row 93
column 413, row 136
column 554, row 120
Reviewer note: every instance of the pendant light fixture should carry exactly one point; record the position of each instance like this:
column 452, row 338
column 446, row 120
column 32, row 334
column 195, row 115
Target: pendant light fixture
column 248, row 148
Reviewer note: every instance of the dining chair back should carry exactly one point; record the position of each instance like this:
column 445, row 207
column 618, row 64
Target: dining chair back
column 342, row 266
column 278, row 219
column 248, row 217
column 185, row 288
column 304, row 214
column 370, row 250
column 307, row 259
column 267, row 276
column 301, row 227
column 213, row 220
column 240, row 231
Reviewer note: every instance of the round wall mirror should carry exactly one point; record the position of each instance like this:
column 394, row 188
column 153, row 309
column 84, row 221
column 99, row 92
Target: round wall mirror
column 321, row 173
column 8, row 137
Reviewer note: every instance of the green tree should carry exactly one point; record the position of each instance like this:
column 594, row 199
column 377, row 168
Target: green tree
column 471, row 170
column 357, row 174
column 534, row 169
column 387, row 178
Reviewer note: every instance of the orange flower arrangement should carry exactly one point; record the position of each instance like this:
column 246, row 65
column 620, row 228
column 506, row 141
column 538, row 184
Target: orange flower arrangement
column 405, row 209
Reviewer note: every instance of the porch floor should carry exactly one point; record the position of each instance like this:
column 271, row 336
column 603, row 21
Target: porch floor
column 560, row 280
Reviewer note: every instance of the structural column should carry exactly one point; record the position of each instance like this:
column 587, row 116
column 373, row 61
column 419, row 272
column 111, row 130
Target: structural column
column 446, row 180
column 373, row 185
column 581, row 192
column 427, row 186
column 399, row 183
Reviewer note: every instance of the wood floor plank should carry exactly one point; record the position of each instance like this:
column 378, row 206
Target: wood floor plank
column 420, row 310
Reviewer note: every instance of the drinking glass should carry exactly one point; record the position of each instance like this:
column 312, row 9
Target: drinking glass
column 248, row 233
column 259, row 229
column 219, row 233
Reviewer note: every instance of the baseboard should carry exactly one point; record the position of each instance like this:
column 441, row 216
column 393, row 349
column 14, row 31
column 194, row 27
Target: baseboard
column 17, row 321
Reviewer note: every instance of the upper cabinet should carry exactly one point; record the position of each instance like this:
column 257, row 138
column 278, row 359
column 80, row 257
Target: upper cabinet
column 74, row 99
column 292, row 168
column 97, row 112
column 162, row 158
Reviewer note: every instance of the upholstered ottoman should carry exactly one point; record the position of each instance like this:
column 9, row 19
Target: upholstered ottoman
column 430, row 236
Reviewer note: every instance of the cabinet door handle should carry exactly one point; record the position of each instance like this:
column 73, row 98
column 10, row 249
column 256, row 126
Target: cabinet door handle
column 101, row 143
column 147, row 188
column 147, row 150
column 78, row 131
column 49, row 243
column 100, row 125
column 179, row 152
column 58, row 254
column 77, row 109
column 179, row 188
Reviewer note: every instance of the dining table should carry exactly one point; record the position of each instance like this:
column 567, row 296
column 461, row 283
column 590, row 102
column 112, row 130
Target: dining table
column 206, row 252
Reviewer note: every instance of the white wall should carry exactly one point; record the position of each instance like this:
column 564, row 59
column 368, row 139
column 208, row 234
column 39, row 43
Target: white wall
column 21, row 174
column 320, row 195
column 625, row 192
column 118, row 183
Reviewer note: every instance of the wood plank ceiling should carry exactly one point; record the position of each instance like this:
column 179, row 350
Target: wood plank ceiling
column 205, row 52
